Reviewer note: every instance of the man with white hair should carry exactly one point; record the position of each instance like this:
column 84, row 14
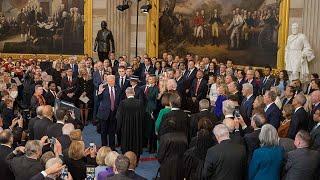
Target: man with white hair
column 171, row 85
column 226, row 160
column 64, row 139
column 109, row 96
column 52, row 162
column 299, row 119
column 246, row 106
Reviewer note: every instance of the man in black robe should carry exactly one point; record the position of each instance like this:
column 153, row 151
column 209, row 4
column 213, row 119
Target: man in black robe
column 130, row 121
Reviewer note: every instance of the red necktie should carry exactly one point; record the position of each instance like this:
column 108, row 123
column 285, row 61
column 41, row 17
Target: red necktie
column 112, row 99
column 146, row 90
column 197, row 87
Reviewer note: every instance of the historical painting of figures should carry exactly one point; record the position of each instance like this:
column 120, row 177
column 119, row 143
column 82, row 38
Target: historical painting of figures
column 245, row 31
column 42, row 26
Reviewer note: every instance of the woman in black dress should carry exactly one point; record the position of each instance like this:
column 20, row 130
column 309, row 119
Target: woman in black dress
column 85, row 90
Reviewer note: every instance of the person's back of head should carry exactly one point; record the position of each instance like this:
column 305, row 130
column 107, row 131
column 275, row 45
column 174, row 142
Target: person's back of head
column 268, row 136
column 230, row 124
column 111, row 158
column 45, row 157
column 67, row 129
column 60, row 114
column 47, row 112
column 6, row 137
column 302, row 139
column 132, row 158
column 51, row 162
column 204, row 104
column 122, row 164
column 228, row 107
column 175, row 100
column 76, row 150
column 221, row 132
column 258, row 120
column 33, row 149
column 76, row 135
column 101, row 155
column 205, row 123
column 39, row 111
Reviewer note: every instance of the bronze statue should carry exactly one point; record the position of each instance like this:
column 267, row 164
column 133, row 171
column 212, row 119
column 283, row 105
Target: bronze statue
column 103, row 42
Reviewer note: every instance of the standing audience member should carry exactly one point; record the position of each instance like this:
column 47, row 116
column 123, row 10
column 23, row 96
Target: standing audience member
column 121, row 167
column 246, row 105
column 6, row 141
column 40, row 127
column 287, row 112
column 132, row 166
column 271, row 110
column 315, row 132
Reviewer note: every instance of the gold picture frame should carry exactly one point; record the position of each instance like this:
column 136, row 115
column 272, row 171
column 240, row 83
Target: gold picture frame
column 88, row 47
column 153, row 30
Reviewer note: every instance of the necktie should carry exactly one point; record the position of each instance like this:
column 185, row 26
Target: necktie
column 146, row 90
column 265, row 80
column 112, row 99
column 197, row 87
column 122, row 82
column 70, row 80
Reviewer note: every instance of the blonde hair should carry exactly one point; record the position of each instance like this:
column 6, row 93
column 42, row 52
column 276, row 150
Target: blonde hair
column 76, row 150
column 76, row 135
column 111, row 158
column 101, row 155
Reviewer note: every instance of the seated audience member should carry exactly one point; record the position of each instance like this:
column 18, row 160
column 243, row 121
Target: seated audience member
column 267, row 160
column 65, row 139
column 226, row 160
column 109, row 161
column 170, row 155
column 40, row 127
column 302, row 163
column 258, row 105
column 271, row 110
column 251, row 140
column 315, row 132
column 55, row 130
column 204, row 106
column 287, row 112
column 100, row 159
column 132, row 166
column 6, row 141
column 121, row 167
column 78, row 158
column 195, row 156
column 24, row 166
column 299, row 119
column 32, row 121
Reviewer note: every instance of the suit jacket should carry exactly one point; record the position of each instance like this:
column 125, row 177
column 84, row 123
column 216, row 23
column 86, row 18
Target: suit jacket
column 302, row 163
column 105, row 102
column 195, row 119
column 252, row 142
column 315, row 136
column 67, row 87
column 23, row 167
column 246, row 108
column 299, row 120
column 123, row 176
column 31, row 125
column 149, row 97
column 40, row 128
column 189, row 77
column 75, row 70
column 256, row 87
column 202, row 90
column 266, row 84
column 131, row 174
column 97, row 79
column 240, row 83
column 5, row 171
column 285, row 101
column 50, row 98
column 151, row 70
column 273, row 115
column 55, row 130
column 226, row 160
column 123, row 87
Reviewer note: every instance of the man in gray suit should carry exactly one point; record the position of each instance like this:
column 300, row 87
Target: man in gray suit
column 302, row 163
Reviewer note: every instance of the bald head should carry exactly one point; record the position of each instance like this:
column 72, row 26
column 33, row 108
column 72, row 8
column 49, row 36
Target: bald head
column 132, row 158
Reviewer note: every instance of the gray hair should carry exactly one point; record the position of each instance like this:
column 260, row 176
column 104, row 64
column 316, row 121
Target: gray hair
column 130, row 91
column 258, row 119
column 248, row 86
column 301, row 99
column 172, row 84
column 229, row 123
column 52, row 162
column 272, row 95
column 268, row 136
column 276, row 89
column 221, row 130
column 204, row 104
column 228, row 107
column 33, row 147
column 39, row 110
column 67, row 128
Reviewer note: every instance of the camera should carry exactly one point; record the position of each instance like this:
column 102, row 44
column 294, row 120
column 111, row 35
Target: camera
column 92, row 145
column 90, row 172
column 237, row 113
column 64, row 173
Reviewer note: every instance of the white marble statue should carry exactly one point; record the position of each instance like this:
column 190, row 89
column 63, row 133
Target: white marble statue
column 298, row 53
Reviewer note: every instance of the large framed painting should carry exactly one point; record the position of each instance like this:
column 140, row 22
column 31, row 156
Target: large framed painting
column 246, row 31
column 48, row 27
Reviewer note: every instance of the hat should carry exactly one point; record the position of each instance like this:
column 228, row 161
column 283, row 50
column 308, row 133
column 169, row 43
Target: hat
column 134, row 78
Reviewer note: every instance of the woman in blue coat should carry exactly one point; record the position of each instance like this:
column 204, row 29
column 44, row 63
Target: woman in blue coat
column 267, row 160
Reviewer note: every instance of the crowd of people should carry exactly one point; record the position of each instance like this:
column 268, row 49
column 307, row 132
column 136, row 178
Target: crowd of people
column 203, row 118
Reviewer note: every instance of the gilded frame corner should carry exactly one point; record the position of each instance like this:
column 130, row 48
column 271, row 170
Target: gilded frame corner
column 153, row 30
column 87, row 37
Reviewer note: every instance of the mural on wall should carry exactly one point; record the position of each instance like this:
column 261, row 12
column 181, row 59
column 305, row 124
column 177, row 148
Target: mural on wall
column 42, row 26
column 243, row 30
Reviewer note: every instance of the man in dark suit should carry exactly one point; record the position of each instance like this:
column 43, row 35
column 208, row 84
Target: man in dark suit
column 121, row 169
column 189, row 76
column 132, row 166
column 246, row 106
column 226, row 160
column 251, row 140
column 267, row 81
column 122, row 81
column 204, row 106
column 198, row 90
column 181, row 87
column 33, row 121
column 109, row 96
column 315, row 99
column 114, row 62
column 315, row 132
column 182, row 119
column 69, row 87
column 302, row 163
column 6, row 141
column 134, row 83
column 51, row 94
column 233, row 90
column 299, row 119
column 288, row 96
column 271, row 110
column 146, row 68
column 97, row 80
column 64, row 139
column 251, row 80
column 40, row 127
column 55, row 130
column 28, row 165
column 240, row 79
column 74, row 66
